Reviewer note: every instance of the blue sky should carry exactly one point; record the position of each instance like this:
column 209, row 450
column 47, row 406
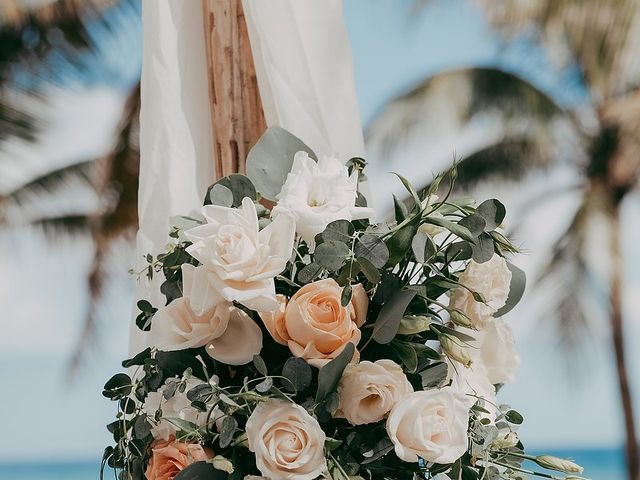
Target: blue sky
column 42, row 284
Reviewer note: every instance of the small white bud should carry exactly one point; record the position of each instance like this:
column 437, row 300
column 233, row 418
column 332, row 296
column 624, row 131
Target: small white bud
column 560, row 464
column 454, row 350
column 221, row 463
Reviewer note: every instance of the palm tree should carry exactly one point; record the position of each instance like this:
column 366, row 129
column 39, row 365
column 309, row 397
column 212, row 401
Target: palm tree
column 56, row 42
column 506, row 130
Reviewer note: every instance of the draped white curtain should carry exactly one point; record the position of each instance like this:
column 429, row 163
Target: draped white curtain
column 305, row 76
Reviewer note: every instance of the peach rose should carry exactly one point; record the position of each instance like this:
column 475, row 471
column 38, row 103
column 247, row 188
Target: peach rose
column 369, row 390
column 314, row 324
column 288, row 442
column 169, row 457
column 177, row 327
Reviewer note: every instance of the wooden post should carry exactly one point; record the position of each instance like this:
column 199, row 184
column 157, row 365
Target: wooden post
column 236, row 110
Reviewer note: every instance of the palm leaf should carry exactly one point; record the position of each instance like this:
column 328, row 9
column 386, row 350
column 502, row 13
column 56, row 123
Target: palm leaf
column 601, row 35
column 499, row 124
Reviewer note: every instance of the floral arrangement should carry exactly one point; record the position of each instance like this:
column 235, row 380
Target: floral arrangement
column 299, row 341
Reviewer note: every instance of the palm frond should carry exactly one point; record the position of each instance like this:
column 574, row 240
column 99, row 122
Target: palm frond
column 510, row 127
column 15, row 122
column 18, row 12
column 601, row 35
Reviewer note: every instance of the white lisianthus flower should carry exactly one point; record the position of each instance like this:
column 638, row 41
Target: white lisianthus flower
column 239, row 261
column 498, row 352
column 490, row 279
column 429, row 424
column 473, row 383
column 316, row 194
column 288, row 442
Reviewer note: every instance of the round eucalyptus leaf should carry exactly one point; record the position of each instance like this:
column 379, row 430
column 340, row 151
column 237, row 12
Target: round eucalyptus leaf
column 339, row 231
column 475, row 223
column 483, row 249
column 331, row 255
column 493, row 211
column 373, row 249
column 270, row 160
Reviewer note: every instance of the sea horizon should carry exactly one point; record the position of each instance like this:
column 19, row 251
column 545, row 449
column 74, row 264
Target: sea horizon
column 599, row 464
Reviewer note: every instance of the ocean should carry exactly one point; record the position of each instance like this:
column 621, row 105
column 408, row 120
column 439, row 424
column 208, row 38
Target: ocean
column 598, row 464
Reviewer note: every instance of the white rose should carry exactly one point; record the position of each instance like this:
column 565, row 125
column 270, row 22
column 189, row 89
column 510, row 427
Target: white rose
column 369, row 390
column 288, row 442
column 316, row 194
column 239, row 261
column 177, row 327
column 492, row 280
column 431, row 425
column 498, row 352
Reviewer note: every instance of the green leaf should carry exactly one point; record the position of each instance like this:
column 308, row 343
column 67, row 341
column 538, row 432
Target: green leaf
column 406, row 353
column 380, row 449
column 339, row 231
column 514, row 417
column 434, row 375
column 386, row 325
column 238, row 185
column 201, row 471
column 309, row 272
column 423, row 247
column 483, row 248
column 493, row 211
column 270, row 160
column 330, row 374
column 400, row 242
column 139, row 359
column 261, row 367
column 331, row 255
column 117, row 386
column 459, row 230
column 475, row 223
column 220, row 195
column 400, row 209
column 265, row 385
column 299, row 374
column 459, row 251
column 369, row 269
column 345, row 298
column 373, row 249
column 516, row 289
column 410, row 189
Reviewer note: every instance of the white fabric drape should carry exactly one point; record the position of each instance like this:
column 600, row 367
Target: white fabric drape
column 305, row 75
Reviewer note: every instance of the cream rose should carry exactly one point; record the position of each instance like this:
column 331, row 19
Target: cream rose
column 473, row 383
column 431, row 425
column 317, row 193
column 288, row 442
column 368, row 391
column 177, row 327
column 169, row 458
column 314, row 324
column 498, row 352
column 239, row 261
column 490, row 279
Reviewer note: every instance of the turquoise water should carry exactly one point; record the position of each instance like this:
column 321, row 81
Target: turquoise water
column 599, row 465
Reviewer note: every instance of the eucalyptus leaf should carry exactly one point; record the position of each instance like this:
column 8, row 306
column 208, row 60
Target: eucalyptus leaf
column 339, row 231
column 373, row 249
column 299, row 374
column 220, row 195
column 516, row 289
column 475, row 223
column 386, row 325
column 331, row 255
column 434, row 375
column 410, row 189
column 369, row 269
column 483, row 249
column 329, row 375
column 406, row 353
column 400, row 242
column 400, row 209
column 270, row 160
column 459, row 251
column 261, row 367
column 423, row 247
column 380, row 449
column 309, row 272
column 493, row 211
column 201, row 471
column 345, row 297
column 459, row 230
